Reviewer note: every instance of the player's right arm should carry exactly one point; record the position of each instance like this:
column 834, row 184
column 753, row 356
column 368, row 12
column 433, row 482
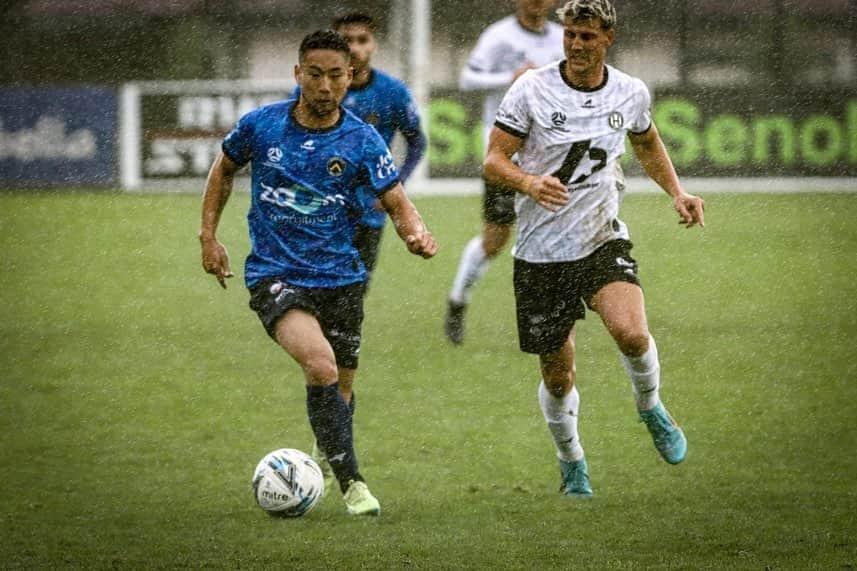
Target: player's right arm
column 218, row 188
column 548, row 191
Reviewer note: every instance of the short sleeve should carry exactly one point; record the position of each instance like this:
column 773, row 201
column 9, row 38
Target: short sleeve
column 513, row 115
column 238, row 144
column 378, row 163
column 643, row 117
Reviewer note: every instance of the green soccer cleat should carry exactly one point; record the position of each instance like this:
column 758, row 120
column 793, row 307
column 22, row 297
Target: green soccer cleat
column 668, row 437
column 326, row 470
column 575, row 479
column 360, row 501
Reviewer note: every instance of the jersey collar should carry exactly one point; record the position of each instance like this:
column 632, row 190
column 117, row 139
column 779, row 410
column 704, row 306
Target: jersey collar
column 584, row 89
column 300, row 127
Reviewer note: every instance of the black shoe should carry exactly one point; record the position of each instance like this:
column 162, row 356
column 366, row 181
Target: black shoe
column 454, row 326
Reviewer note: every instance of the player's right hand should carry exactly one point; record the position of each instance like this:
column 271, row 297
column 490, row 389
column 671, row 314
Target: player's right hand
column 215, row 261
column 548, row 191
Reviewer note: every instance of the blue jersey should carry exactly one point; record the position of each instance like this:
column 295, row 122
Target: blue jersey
column 386, row 104
column 306, row 194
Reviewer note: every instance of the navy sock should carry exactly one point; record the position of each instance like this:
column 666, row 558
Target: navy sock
column 330, row 419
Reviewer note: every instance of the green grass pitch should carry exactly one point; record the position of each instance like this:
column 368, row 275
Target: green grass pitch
column 136, row 397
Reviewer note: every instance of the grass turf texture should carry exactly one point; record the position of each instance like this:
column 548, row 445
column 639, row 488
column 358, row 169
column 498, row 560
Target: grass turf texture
column 137, row 396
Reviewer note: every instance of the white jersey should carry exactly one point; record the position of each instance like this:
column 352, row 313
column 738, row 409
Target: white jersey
column 504, row 47
column 577, row 136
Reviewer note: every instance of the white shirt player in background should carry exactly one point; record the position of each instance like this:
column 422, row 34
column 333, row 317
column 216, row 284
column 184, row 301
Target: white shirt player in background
column 505, row 50
column 558, row 135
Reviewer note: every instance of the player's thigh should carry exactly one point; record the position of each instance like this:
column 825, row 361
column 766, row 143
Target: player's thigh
column 621, row 306
column 299, row 333
column 340, row 314
column 547, row 305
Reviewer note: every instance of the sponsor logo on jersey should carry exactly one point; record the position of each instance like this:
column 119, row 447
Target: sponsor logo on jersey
column 275, row 154
column 588, row 104
column 308, row 145
column 336, row 166
column 299, row 198
column 615, row 120
column 558, row 118
column 385, row 166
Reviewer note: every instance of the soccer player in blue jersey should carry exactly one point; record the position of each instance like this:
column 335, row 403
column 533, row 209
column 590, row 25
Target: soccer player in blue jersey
column 385, row 103
column 311, row 159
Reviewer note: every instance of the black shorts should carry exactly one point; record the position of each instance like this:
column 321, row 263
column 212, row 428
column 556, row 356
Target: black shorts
column 338, row 310
column 550, row 297
column 498, row 204
column 367, row 240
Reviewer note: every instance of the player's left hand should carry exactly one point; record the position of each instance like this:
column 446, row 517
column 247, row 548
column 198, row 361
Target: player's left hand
column 691, row 210
column 421, row 244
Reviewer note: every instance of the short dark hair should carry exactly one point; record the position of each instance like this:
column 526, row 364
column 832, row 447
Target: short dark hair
column 355, row 18
column 324, row 40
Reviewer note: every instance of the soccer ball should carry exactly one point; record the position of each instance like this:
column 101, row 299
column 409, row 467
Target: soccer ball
column 287, row 483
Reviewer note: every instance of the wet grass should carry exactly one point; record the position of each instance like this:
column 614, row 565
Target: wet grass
column 136, row 397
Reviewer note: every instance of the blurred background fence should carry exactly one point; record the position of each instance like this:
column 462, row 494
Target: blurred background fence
column 137, row 94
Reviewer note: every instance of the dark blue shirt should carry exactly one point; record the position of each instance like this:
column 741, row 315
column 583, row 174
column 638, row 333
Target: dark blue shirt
column 307, row 193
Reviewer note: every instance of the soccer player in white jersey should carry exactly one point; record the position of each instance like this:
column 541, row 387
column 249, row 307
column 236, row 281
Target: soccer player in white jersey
column 558, row 134
column 505, row 49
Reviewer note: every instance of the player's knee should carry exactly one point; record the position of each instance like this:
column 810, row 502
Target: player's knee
column 633, row 343
column 320, row 370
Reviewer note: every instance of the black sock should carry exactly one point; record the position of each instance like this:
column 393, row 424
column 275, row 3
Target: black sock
column 353, row 404
column 330, row 419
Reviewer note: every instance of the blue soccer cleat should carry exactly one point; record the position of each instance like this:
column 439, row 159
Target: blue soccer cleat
column 575, row 479
column 668, row 437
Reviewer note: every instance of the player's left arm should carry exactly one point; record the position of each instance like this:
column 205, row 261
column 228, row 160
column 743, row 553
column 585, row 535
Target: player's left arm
column 409, row 125
column 416, row 148
column 408, row 222
column 650, row 150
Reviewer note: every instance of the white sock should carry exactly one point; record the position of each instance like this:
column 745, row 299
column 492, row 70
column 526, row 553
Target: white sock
column 471, row 268
column 645, row 374
column 561, row 416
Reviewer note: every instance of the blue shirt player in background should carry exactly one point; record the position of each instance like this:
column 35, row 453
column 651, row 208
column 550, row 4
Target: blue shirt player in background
column 311, row 160
column 385, row 103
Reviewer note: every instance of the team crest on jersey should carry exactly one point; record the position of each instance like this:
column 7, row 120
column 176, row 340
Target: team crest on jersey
column 558, row 118
column 336, row 166
column 275, row 154
column 372, row 118
column 615, row 120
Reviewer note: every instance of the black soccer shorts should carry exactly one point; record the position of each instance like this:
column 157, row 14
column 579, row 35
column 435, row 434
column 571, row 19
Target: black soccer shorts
column 550, row 297
column 498, row 204
column 338, row 310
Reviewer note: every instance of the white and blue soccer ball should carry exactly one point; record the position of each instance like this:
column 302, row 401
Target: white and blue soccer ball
column 288, row 483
